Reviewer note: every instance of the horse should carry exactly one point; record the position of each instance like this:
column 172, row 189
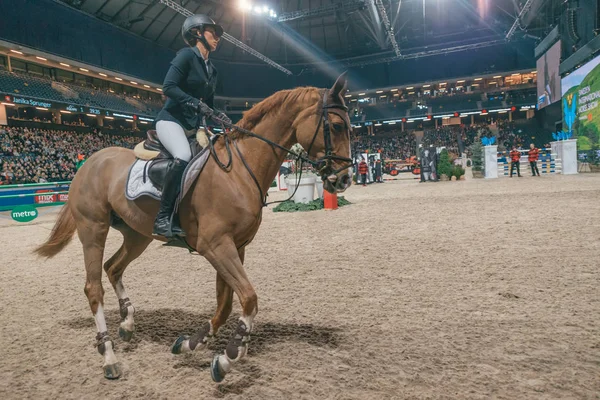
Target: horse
column 221, row 213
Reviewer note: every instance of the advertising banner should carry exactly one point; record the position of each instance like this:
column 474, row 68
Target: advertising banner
column 581, row 95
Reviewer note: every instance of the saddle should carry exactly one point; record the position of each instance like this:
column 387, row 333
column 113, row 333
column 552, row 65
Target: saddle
column 159, row 158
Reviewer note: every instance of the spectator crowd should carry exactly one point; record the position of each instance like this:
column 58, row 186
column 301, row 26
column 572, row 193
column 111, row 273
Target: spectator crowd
column 396, row 145
column 31, row 155
column 39, row 156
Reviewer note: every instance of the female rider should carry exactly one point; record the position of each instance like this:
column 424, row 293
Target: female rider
column 190, row 87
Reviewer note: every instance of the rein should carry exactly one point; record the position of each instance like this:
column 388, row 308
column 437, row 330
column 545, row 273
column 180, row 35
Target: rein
column 323, row 164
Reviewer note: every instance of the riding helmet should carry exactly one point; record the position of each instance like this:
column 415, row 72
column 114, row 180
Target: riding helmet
column 200, row 22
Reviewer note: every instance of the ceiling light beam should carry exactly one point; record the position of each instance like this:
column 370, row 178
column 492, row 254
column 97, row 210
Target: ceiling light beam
column 389, row 29
column 323, row 11
column 185, row 12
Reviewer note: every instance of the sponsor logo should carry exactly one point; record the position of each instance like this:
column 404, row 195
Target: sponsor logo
column 45, row 199
column 24, row 213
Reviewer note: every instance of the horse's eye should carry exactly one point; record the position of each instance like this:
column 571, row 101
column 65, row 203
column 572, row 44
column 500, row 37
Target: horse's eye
column 338, row 126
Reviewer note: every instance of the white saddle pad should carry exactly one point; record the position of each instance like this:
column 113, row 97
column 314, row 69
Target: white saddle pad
column 138, row 183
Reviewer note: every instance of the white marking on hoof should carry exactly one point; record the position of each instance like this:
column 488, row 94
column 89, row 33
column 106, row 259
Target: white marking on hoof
column 225, row 364
column 185, row 346
column 109, row 354
column 128, row 324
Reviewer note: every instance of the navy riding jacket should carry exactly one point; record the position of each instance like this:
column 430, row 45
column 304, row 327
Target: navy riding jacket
column 188, row 80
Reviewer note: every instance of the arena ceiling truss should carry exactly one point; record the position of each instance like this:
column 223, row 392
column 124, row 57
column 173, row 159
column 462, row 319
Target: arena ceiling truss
column 297, row 32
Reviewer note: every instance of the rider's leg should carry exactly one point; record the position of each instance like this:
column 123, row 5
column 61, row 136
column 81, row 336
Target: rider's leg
column 174, row 138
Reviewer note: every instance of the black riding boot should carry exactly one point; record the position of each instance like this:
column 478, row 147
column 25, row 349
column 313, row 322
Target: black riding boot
column 163, row 225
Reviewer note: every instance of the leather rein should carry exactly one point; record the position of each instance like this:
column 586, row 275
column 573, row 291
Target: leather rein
column 324, row 165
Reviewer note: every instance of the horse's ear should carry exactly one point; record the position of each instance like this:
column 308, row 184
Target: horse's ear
column 339, row 87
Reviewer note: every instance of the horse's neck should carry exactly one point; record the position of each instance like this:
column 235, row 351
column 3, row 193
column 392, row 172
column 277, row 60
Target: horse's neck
column 263, row 159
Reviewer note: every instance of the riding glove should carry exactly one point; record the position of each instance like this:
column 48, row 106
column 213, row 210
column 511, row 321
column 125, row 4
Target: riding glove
column 222, row 116
column 204, row 109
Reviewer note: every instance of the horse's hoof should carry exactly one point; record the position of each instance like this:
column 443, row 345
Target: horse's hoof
column 176, row 347
column 112, row 371
column 215, row 371
column 125, row 334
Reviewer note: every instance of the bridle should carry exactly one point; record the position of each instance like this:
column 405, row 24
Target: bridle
column 323, row 165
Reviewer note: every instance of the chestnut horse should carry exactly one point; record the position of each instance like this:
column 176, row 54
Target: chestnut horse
column 221, row 213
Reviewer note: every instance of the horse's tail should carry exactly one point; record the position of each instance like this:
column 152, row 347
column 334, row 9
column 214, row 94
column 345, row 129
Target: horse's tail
column 61, row 235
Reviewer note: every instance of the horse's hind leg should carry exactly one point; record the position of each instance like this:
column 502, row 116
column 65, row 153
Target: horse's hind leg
column 92, row 233
column 133, row 246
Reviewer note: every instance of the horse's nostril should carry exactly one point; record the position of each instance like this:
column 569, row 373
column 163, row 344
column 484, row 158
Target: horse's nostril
column 345, row 179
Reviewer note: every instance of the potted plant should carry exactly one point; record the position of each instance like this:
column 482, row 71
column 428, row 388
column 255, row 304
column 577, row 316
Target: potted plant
column 300, row 181
column 458, row 172
column 477, row 159
column 444, row 166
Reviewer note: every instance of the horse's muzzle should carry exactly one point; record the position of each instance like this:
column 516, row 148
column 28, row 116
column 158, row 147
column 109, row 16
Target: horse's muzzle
column 337, row 183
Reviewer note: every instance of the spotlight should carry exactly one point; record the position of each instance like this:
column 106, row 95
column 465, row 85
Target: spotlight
column 245, row 5
column 265, row 9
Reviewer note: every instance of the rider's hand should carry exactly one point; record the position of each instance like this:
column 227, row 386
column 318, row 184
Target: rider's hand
column 204, row 109
column 222, row 116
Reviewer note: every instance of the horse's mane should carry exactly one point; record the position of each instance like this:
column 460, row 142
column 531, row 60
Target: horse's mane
column 274, row 103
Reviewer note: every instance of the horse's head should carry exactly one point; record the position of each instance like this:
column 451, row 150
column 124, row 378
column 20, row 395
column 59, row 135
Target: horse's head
column 325, row 134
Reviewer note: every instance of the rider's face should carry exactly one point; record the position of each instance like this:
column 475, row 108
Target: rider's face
column 212, row 38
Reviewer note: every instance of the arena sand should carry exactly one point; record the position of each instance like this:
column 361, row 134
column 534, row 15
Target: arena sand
column 474, row 289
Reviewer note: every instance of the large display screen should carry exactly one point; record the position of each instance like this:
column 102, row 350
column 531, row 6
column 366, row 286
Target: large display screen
column 581, row 95
column 548, row 79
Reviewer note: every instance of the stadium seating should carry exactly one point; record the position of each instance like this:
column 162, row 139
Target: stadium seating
column 387, row 111
column 42, row 88
column 454, row 103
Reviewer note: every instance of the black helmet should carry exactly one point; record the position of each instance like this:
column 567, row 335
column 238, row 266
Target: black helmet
column 200, row 22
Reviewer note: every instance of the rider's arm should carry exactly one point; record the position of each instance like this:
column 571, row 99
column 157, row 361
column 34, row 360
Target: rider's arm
column 177, row 74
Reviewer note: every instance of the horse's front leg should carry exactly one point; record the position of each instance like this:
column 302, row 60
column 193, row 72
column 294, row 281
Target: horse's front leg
column 228, row 262
column 199, row 339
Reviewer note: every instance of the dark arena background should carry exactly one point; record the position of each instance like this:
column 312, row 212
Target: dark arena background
column 454, row 272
